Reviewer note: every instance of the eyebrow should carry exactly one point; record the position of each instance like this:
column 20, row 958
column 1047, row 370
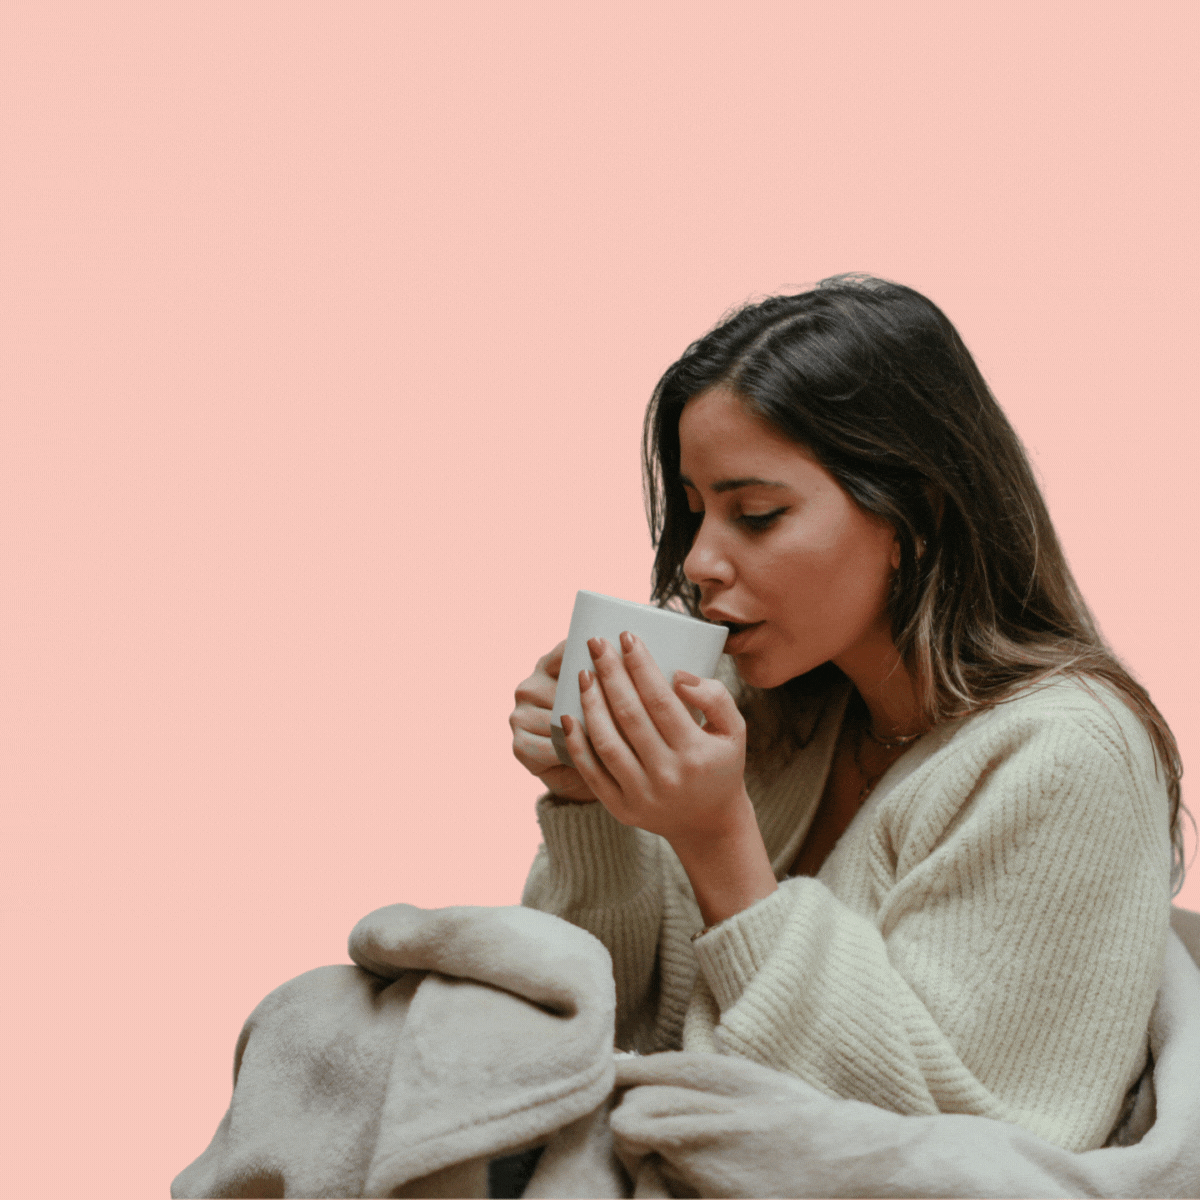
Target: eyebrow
column 730, row 485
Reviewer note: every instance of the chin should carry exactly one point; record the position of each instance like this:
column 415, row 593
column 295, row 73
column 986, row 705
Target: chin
column 769, row 674
column 758, row 674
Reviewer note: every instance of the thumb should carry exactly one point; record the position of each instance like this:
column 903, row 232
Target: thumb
column 712, row 698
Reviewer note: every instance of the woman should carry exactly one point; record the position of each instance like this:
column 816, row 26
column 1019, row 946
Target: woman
column 925, row 859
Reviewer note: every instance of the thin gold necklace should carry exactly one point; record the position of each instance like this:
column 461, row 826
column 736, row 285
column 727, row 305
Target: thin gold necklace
column 871, row 781
column 892, row 744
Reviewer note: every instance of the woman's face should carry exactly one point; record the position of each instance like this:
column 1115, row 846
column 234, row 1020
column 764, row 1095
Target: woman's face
column 782, row 550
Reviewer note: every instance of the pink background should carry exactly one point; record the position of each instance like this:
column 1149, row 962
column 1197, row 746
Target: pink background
column 327, row 335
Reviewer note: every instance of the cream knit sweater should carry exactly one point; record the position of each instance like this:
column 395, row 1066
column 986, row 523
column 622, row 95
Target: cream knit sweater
column 986, row 937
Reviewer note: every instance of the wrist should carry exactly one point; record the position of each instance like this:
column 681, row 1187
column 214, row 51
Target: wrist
column 729, row 869
column 707, row 843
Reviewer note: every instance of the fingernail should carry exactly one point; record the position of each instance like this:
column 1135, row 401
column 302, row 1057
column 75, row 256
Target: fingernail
column 568, row 724
column 687, row 677
column 585, row 680
column 627, row 642
column 595, row 647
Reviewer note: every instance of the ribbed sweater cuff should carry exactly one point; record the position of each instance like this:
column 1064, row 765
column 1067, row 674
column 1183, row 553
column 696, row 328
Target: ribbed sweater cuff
column 592, row 853
column 732, row 953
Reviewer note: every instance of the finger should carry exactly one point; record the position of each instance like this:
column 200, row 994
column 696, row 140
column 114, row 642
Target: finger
column 534, row 751
column 607, row 740
column 667, row 712
column 712, row 698
column 628, row 711
column 593, row 772
column 552, row 663
column 532, row 716
column 535, row 692
column 539, row 689
column 566, row 783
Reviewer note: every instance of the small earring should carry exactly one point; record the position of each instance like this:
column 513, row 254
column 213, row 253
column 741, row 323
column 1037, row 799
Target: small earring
column 920, row 546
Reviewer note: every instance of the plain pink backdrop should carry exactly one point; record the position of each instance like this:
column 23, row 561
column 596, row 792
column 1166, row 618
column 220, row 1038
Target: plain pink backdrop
column 327, row 332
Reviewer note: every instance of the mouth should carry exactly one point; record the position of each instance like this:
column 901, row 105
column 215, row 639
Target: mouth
column 736, row 630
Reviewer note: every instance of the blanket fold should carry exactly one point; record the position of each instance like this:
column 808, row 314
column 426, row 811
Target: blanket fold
column 466, row 1034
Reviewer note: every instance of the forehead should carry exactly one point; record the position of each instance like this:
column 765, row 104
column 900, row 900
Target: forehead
column 719, row 437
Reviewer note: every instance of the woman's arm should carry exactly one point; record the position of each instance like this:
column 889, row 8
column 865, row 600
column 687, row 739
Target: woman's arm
column 598, row 874
column 651, row 766
column 606, row 878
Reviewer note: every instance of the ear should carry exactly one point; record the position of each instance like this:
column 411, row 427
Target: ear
column 895, row 554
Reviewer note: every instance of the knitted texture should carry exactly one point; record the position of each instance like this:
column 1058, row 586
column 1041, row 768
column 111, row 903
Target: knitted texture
column 986, row 937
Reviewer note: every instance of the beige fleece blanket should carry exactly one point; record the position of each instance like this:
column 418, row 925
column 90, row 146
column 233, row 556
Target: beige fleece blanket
column 468, row 1033
column 462, row 1033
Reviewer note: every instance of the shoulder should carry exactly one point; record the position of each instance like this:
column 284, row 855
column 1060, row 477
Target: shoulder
column 1069, row 752
column 1065, row 718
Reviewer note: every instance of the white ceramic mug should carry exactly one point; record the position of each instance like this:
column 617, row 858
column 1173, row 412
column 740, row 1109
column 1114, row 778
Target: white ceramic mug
column 676, row 642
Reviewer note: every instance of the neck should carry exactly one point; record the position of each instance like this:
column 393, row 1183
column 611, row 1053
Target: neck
column 887, row 689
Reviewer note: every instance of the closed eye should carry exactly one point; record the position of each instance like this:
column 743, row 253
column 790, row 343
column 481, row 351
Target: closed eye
column 756, row 522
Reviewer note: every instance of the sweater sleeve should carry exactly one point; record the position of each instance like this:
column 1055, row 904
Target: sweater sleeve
column 606, row 878
column 1018, row 905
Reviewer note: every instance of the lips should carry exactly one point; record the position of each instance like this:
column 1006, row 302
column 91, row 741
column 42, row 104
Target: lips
column 719, row 618
column 739, row 634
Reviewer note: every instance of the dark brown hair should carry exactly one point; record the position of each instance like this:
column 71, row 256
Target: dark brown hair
column 874, row 380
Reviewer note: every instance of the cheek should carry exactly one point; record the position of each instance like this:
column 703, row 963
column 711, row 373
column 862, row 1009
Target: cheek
column 869, row 574
column 849, row 577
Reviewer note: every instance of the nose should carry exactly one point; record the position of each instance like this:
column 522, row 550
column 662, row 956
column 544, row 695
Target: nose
column 708, row 562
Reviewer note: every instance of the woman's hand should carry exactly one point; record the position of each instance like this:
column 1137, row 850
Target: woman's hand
column 530, row 722
column 652, row 766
